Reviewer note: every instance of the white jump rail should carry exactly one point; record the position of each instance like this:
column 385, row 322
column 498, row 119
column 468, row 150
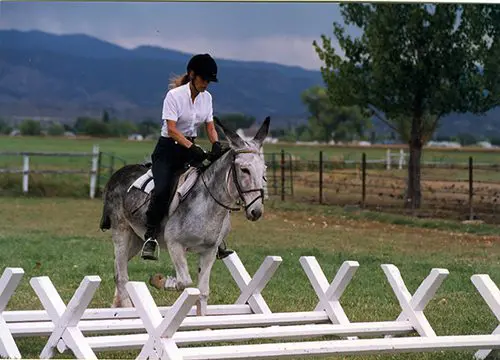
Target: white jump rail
column 166, row 328
column 163, row 344
column 26, row 323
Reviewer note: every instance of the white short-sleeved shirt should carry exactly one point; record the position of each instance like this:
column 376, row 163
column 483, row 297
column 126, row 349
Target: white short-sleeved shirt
column 178, row 106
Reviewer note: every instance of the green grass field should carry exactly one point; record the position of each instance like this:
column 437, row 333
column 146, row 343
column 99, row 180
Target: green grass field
column 59, row 238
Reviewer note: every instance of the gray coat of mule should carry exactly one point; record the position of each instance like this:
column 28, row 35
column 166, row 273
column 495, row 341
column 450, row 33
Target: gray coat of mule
column 200, row 222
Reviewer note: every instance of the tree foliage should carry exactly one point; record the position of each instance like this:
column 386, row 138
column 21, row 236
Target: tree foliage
column 56, row 129
column 5, row 128
column 149, row 126
column 413, row 64
column 111, row 128
column 329, row 122
column 30, row 127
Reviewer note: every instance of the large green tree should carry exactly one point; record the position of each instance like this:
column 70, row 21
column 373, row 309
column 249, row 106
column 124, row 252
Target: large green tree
column 30, row 127
column 412, row 64
column 328, row 121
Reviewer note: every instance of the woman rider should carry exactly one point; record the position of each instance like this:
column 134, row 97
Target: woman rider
column 187, row 105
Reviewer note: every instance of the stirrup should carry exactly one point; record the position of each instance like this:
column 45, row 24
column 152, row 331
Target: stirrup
column 150, row 256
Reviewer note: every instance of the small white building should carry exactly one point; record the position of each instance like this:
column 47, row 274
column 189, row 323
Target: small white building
column 249, row 133
column 136, row 137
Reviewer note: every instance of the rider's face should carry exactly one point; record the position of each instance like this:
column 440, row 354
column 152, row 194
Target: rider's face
column 200, row 84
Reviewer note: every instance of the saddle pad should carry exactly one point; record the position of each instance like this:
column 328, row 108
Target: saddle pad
column 144, row 183
column 186, row 182
column 187, row 179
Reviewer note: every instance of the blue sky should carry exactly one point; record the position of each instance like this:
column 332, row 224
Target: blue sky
column 276, row 32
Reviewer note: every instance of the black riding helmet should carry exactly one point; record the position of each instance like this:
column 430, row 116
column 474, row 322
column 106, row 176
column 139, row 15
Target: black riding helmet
column 203, row 65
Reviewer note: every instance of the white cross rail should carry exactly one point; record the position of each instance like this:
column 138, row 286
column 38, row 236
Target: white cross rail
column 251, row 288
column 329, row 294
column 160, row 329
column 8, row 284
column 413, row 307
column 66, row 319
column 490, row 293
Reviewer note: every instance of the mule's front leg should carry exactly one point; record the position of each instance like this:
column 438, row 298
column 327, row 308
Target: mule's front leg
column 206, row 262
column 178, row 257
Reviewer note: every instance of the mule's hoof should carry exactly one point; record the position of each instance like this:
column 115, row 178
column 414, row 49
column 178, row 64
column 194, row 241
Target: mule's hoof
column 149, row 257
column 158, row 281
column 223, row 253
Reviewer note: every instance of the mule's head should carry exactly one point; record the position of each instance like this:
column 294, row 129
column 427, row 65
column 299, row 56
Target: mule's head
column 249, row 168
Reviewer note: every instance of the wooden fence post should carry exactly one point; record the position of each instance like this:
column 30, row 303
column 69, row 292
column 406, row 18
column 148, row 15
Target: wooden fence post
column 26, row 173
column 363, row 180
column 111, row 164
column 275, row 179
column 93, row 171
column 401, row 158
column 321, row 177
column 282, row 175
column 266, row 191
column 471, row 188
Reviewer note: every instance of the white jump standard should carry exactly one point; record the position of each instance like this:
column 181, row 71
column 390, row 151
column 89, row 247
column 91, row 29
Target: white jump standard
column 26, row 323
column 164, row 332
column 412, row 310
column 8, row 284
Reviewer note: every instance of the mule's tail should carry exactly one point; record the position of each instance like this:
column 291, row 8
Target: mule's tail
column 105, row 217
column 105, row 223
column 105, row 220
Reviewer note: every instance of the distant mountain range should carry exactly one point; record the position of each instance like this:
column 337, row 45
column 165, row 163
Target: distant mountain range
column 65, row 76
column 70, row 75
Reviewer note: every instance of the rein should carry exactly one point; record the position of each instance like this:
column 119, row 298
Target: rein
column 237, row 184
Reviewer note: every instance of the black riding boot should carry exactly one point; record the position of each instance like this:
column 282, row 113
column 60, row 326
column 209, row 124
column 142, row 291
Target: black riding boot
column 150, row 242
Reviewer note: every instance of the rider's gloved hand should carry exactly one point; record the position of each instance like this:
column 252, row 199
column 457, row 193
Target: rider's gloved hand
column 216, row 150
column 197, row 153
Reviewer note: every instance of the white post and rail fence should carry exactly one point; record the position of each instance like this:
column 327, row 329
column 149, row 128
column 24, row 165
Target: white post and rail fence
column 94, row 171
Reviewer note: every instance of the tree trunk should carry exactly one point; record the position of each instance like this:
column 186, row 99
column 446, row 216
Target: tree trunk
column 413, row 193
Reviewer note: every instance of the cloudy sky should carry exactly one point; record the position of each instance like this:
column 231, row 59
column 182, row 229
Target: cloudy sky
column 276, row 32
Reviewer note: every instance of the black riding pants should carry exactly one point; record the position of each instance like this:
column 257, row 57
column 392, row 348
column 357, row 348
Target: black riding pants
column 168, row 158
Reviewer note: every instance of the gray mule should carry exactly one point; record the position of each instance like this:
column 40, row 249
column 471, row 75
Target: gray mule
column 199, row 223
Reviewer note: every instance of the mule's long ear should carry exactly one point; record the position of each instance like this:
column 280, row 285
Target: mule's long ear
column 234, row 139
column 262, row 133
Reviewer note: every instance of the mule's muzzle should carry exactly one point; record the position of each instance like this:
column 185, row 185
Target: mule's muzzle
column 254, row 214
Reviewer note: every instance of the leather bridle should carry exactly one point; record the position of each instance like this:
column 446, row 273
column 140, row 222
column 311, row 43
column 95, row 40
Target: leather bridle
column 237, row 184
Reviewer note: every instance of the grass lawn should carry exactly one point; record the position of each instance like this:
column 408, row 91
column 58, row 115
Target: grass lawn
column 59, row 238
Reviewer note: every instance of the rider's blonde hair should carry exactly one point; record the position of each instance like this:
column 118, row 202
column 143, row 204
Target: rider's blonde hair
column 177, row 81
